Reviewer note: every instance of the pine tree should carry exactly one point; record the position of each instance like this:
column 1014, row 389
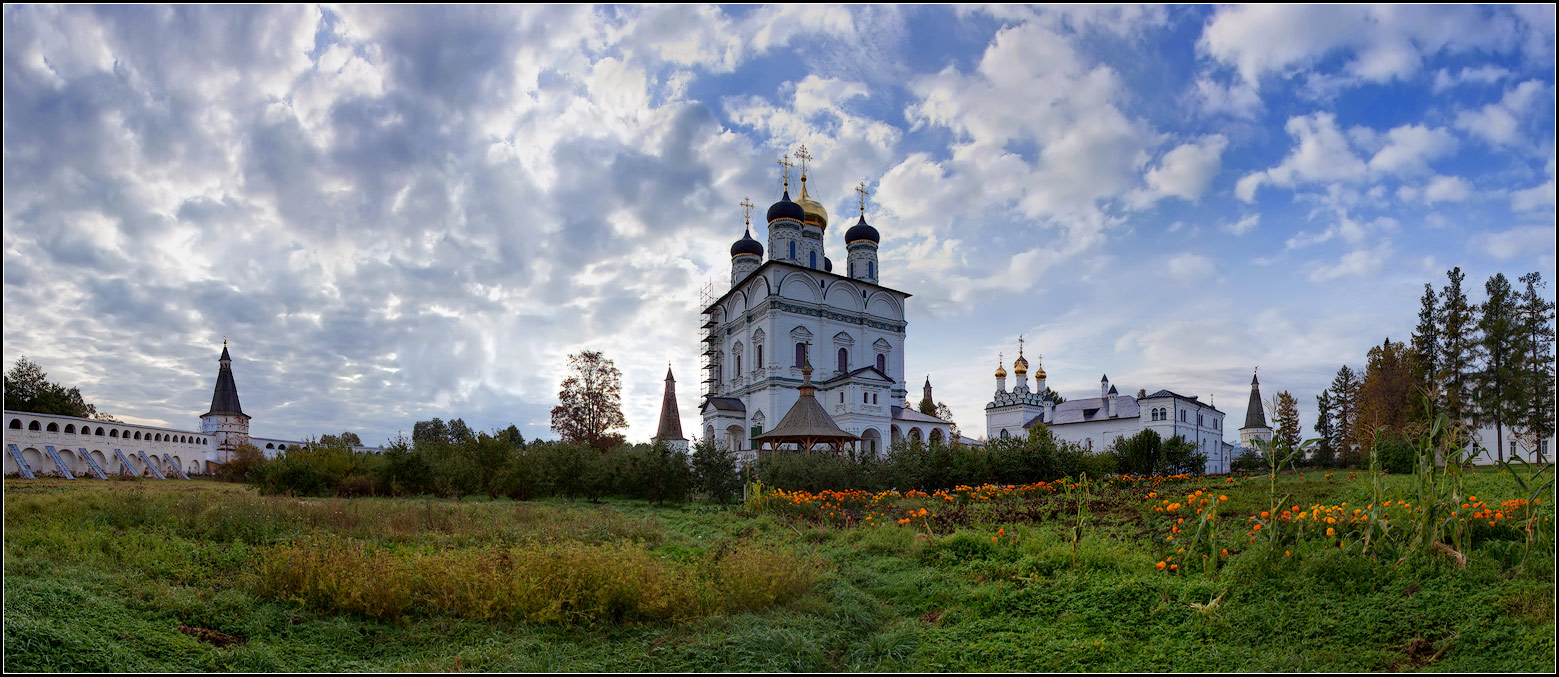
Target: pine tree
column 1500, row 396
column 1325, row 453
column 1458, row 348
column 1386, row 392
column 1345, row 397
column 1287, row 433
column 1535, row 314
column 1426, row 345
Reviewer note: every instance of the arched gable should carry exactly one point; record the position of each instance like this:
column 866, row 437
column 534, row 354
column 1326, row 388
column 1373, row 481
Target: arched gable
column 885, row 306
column 800, row 287
column 844, row 295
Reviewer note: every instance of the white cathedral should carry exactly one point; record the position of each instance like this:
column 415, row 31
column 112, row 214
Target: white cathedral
column 794, row 352
column 1094, row 422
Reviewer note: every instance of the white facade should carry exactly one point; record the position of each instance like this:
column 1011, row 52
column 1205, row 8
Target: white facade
column 1094, row 423
column 1485, row 442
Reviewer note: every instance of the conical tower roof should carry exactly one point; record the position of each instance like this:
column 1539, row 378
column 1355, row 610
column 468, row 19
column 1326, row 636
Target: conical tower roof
column 224, row 400
column 1255, row 417
column 670, row 420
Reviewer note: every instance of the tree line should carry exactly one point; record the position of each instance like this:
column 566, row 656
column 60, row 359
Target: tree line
column 1489, row 363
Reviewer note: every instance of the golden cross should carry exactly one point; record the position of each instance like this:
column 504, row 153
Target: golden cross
column 804, row 157
column 746, row 204
column 785, row 165
column 861, row 188
column 1020, row 345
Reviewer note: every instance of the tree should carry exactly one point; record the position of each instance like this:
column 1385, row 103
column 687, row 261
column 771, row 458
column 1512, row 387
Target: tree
column 1288, row 421
column 1535, row 314
column 1345, row 395
column 1386, row 394
column 1055, row 397
column 927, row 406
column 1426, row 346
column 1500, row 395
column 428, row 433
column 1458, row 348
column 512, row 437
column 28, row 388
column 945, row 413
column 350, row 439
column 1325, row 453
column 590, row 402
column 1146, row 453
column 714, row 471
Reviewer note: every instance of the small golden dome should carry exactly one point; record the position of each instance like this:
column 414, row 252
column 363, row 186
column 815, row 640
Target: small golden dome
column 1001, row 372
column 1040, row 374
column 1021, row 365
column 816, row 214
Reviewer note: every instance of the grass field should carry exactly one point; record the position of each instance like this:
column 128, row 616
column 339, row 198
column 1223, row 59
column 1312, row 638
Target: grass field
column 203, row 576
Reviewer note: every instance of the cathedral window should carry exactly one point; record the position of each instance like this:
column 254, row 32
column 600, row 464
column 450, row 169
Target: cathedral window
column 801, row 354
column 866, row 398
column 844, row 360
column 874, row 398
column 1004, row 434
column 1182, row 416
column 792, row 251
column 812, row 259
column 760, row 356
column 841, row 398
column 738, row 366
column 871, row 269
column 882, row 363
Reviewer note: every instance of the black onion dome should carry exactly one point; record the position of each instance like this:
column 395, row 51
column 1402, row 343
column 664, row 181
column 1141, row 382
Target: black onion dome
column 861, row 231
column 828, row 265
column 747, row 245
column 785, row 209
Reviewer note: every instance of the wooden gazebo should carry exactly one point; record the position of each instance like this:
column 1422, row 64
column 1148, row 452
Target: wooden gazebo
column 806, row 425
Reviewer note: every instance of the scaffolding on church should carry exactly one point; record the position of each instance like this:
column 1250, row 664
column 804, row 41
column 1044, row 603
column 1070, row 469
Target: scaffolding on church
column 709, row 342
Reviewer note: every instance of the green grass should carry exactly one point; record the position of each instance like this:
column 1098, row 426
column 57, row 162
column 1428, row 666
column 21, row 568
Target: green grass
column 100, row 576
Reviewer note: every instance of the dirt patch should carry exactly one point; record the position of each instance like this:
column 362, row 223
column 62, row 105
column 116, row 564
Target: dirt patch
column 216, row 638
column 1420, row 652
column 932, row 617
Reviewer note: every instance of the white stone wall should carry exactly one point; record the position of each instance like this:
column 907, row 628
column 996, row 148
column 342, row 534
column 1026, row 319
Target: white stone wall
column 1488, row 453
column 192, row 451
column 70, row 435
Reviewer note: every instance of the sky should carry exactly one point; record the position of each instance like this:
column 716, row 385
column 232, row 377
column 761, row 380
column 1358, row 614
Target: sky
column 397, row 213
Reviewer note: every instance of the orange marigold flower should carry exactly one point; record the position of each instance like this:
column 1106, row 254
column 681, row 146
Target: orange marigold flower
column 1331, row 532
column 1225, row 552
column 1264, row 514
column 1174, row 567
column 1258, row 527
column 1160, row 566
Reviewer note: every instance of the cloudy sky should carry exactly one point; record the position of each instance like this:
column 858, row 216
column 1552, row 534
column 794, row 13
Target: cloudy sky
column 396, row 213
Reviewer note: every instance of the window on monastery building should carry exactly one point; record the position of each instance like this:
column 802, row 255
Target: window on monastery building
column 874, row 398
column 844, row 360
column 1004, row 434
column 1182, row 416
column 813, row 259
column 882, row 363
column 841, row 398
column 16, row 424
column 34, row 426
column 866, row 398
column 760, row 356
column 738, row 366
column 801, row 354
column 793, row 251
column 871, row 269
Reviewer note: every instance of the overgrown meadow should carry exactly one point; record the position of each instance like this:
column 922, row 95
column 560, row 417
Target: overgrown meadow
column 1294, row 571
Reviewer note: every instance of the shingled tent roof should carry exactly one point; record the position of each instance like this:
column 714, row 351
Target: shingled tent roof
column 670, row 421
column 224, row 400
column 1255, row 417
column 806, row 424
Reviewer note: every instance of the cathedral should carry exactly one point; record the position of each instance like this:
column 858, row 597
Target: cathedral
column 796, row 353
column 1094, row 422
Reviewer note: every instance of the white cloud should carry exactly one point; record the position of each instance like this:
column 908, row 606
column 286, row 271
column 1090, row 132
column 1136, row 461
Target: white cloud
column 1519, row 241
column 1385, row 42
column 1409, row 149
column 1356, row 263
column 1321, row 153
column 1500, row 123
column 1447, row 189
column 1246, row 224
column 1188, row 267
column 1185, row 171
column 1483, row 75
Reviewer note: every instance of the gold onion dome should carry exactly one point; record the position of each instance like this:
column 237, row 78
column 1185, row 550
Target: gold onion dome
column 1001, row 372
column 1021, row 365
column 1040, row 374
column 816, row 215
